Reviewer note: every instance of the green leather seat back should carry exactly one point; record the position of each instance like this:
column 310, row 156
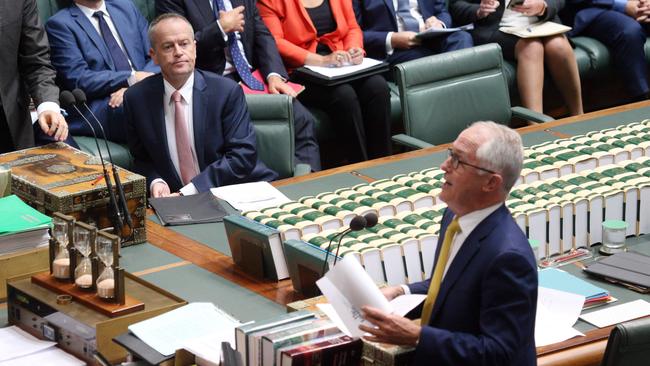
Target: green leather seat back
column 120, row 153
column 147, row 8
column 628, row 344
column 443, row 94
column 272, row 116
column 47, row 8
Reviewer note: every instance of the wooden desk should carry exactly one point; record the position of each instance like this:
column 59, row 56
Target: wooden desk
column 577, row 351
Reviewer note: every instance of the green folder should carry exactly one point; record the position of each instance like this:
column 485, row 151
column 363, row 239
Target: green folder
column 17, row 216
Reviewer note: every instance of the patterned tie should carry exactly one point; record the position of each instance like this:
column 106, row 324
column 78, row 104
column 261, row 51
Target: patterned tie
column 404, row 12
column 237, row 56
column 436, row 279
column 185, row 159
column 119, row 58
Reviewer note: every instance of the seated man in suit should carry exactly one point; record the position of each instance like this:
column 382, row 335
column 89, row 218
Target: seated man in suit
column 101, row 47
column 232, row 41
column 389, row 29
column 482, row 295
column 621, row 25
column 188, row 130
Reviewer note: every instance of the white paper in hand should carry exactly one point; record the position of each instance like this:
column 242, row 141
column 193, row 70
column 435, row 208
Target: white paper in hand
column 348, row 287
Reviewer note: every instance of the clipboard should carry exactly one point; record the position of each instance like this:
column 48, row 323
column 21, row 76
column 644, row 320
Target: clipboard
column 303, row 74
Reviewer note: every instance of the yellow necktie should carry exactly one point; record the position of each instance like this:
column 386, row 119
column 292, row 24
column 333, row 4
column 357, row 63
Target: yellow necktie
column 436, row 279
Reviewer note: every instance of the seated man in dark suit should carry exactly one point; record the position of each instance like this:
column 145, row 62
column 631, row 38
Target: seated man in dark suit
column 102, row 55
column 232, row 41
column 621, row 25
column 188, row 130
column 389, row 29
column 482, row 295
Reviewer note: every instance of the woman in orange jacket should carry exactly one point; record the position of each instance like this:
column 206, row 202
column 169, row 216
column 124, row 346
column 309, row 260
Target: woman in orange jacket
column 326, row 33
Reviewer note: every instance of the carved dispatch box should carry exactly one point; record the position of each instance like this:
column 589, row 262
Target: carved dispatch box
column 57, row 177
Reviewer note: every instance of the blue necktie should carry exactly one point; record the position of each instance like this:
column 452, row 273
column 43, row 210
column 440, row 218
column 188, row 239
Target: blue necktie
column 119, row 58
column 404, row 12
column 237, row 56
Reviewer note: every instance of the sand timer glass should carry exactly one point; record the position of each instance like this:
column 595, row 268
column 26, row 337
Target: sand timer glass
column 83, row 274
column 104, row 250
column 61, row 262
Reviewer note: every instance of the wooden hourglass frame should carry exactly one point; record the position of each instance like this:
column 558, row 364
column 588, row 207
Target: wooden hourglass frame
column 57, row 270
column 86, row 282
column 99, row 266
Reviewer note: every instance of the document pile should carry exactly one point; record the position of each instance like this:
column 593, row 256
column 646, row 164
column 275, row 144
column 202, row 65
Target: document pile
column 21, row 226
column 20, row 348
column 563, row 281
column 197, row 327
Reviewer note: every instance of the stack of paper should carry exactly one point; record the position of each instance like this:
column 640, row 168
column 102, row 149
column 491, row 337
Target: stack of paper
column 563, row 281
column 20, row 348
column 198, row 327
column 21, row 226
column 557, row 312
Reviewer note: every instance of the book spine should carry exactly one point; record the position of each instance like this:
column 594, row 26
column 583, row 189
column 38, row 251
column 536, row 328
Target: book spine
column 339, row 351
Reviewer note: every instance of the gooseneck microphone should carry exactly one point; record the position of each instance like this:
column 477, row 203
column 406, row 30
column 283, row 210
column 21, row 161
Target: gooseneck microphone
column 80, row 97
column 357, row 223
column 68, row 99
column 370, row 219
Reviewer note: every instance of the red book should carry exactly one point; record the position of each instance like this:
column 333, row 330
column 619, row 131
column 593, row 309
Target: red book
column 256, row 74
column 341, row 350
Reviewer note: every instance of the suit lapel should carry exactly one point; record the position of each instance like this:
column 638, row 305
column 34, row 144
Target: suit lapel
column 393, row 11
column 207, row 10
column 92, row 33
column 470, row 247
column 199, row 111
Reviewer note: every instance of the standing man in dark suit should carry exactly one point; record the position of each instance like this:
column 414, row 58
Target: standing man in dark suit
column 622, row 26
column 389, row 29
column 26, row 71
column 482, row 295
column 188, row 130
column 102, row 48
column 232, row 40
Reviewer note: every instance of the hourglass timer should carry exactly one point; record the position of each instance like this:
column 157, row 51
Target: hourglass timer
column 59, row 248
column 84, row 237
column 110, row 283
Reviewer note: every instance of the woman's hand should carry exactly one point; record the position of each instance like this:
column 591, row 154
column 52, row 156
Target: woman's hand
column 356, row 55
column 336, row 59
column 531, row 7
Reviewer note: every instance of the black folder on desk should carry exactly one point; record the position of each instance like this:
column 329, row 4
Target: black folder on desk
column 629, row 269
column 140, row 350
column 304, row 74
column 195, row 209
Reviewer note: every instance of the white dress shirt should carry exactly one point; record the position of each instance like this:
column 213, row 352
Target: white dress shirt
column 415, row 13
column 229, row 67
column 88, row 12
column 467, row 224
column 169, row 110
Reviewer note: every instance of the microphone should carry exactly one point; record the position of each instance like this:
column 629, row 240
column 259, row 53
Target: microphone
column 357, row 223
column 80, row 96
column 371, row 219
column 68, row 99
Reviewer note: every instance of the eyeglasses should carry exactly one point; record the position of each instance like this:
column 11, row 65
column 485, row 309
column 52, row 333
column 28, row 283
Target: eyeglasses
column 455, row 162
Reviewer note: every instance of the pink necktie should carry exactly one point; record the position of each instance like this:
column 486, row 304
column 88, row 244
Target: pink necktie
column 185, row 159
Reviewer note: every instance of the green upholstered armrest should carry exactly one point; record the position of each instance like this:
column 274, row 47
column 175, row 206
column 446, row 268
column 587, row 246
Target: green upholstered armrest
column 121, row 155
column 629, row 344
column 530, row 115
column 410, row 141
column 272, row 117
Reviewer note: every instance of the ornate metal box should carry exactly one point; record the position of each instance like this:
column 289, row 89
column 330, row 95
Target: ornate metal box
column 57, row 177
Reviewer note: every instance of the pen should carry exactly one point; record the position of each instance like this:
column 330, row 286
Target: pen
column 97, row 180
